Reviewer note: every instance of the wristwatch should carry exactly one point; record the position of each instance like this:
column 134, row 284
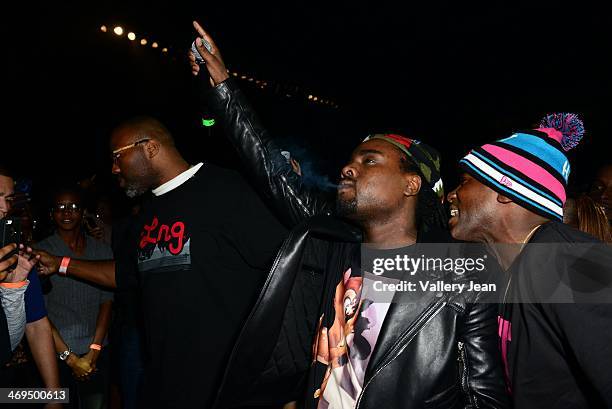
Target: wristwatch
column 64, row 355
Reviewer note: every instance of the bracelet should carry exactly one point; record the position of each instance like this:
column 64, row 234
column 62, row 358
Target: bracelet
column 63, row 268
column 64, row 355
column 18, row 284
column 97, row 347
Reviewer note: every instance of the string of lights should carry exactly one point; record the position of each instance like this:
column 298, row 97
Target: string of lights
column 284, row 90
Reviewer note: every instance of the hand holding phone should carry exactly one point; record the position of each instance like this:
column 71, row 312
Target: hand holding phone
column 196, row 53
column 26, row 260
column 92, row 220
column 10, row 233
column 205, row 49
column 7, row 262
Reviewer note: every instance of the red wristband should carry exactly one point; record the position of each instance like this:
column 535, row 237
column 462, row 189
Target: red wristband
column 63, row 269
column 97, row 347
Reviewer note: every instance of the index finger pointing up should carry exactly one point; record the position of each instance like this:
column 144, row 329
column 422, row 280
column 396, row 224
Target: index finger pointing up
column 204, row 34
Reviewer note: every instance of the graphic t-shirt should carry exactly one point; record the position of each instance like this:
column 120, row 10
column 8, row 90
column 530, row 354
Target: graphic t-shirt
column 203, row 249
column 343, row 349
column 555, row 355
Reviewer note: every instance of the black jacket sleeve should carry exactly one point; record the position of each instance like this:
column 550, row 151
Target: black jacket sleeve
column 482, row 379
column 267, row 168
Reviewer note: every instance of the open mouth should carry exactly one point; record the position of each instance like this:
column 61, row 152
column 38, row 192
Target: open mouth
column 454, row 212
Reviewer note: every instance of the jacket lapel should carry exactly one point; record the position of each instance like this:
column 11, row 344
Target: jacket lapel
column 404, row 316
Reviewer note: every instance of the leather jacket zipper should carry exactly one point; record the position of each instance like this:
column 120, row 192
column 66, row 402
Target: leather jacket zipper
column 464, row 375
column 425, row 317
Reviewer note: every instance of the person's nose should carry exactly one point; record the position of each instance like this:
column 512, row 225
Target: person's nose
column 349, row 171
column 4, row 206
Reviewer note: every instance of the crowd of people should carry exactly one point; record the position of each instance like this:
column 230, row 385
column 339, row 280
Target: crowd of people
column 224, row 290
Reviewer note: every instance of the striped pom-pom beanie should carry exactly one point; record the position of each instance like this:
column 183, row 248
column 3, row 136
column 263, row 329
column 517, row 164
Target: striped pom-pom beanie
column 530, row 167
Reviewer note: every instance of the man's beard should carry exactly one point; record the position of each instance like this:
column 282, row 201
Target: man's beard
column 139, row 181
column 137, row 186
column 346, row 208
column 134, row 190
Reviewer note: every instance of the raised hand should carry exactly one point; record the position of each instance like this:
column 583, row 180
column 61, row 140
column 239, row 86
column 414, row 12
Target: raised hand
column 214, row 61
column 96, row 232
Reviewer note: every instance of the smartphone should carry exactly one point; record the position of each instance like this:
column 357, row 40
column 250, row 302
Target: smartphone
column 91, row 220
column 10, row 232
column 196, row 53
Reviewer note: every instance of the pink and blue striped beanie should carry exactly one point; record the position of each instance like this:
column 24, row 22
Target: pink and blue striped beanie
column 530, row 167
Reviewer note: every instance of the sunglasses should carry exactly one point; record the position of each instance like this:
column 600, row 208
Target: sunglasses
column 117, row 152
column 66, row 207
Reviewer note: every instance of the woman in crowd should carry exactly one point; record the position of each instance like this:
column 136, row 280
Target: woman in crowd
column 79, row 311
column 586, row 215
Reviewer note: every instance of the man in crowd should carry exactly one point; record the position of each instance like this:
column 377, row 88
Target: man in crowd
column 305, row 337
column 202, row 242
column 557, row 352
column 22, row 295
column 5, row 336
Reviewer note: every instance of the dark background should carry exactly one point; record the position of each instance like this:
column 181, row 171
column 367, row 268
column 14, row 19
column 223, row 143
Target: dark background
column 451, row 73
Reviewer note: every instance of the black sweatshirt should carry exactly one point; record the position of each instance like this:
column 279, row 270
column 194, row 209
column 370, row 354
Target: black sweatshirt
column 557, row 354
column 203, row 251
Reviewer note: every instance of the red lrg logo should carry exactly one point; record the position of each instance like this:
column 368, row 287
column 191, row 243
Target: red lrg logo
column 171, row 237
column 505, row 181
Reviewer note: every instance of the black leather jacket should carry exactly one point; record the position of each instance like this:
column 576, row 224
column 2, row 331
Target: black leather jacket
column 441, row 352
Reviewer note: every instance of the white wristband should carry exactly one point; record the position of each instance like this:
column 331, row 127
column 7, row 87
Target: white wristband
column 63, row 268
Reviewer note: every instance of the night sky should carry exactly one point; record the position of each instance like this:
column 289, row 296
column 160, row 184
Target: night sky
column 451, row 73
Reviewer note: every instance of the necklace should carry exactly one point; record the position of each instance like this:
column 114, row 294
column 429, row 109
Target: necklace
column 523, row 243
column 528, row 237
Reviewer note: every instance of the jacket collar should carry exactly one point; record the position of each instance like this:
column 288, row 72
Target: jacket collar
column 404, row 319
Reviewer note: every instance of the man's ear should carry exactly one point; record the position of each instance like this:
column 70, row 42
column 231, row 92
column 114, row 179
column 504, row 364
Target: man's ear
column 503, row 199
column 152, row 148
column 413, row 184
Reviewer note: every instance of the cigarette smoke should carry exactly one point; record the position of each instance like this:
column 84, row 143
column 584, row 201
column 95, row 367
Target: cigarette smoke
column 311, row 176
